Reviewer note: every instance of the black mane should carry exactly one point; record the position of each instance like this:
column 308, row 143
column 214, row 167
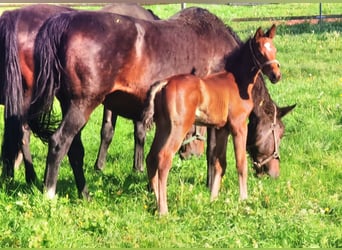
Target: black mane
column 201, row 20
column 263, row 103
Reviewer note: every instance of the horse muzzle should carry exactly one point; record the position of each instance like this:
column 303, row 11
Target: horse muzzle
column 271, row 167
column 274, row 78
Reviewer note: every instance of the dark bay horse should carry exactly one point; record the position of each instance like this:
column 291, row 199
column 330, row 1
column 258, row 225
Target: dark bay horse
column 265, row 130
column 109, row 117
column 93, row 58
column 192, row 145
column 18, row 29
column 222, row 100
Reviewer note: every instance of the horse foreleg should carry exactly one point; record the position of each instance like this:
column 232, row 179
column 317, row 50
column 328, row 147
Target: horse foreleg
column 220, row 164
column 59, row 145
column 107, row 133
column 139, row 142
column 30, row 174
column 211, row 156
column 239, row 132
column 76, row 158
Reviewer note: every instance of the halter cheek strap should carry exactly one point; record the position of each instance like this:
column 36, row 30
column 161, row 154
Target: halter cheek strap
column 275, row 154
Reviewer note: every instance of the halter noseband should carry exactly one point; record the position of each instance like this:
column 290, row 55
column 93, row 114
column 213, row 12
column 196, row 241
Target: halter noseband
column 256, row 61
column 275, row 154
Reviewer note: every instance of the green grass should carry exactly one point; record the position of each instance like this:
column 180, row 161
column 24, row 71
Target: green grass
column 302, row 208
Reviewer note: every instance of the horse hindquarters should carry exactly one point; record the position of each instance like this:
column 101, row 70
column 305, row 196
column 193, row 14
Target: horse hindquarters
column 159, row 161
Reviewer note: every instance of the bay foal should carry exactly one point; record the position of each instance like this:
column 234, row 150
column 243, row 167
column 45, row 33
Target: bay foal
column 222, row 100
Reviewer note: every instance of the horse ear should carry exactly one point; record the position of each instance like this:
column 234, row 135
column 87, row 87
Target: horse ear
column 271, row 32
column 285, row 110
column 259, row 33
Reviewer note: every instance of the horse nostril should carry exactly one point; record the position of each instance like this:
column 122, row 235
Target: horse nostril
column 275, row 77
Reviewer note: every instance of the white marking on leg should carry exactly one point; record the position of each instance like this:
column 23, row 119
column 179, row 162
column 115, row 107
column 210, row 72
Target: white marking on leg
column 50, row 194
column 243, row 187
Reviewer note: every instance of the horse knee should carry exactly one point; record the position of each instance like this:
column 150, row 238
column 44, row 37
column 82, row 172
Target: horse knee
column 58, row 146
column 54, row 145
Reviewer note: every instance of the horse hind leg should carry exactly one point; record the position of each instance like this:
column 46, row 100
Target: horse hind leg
column 30, row 174
column 139, row 142
column 155, row 161
column 59, row 145
column 158, row 163
column 76, row 159
column 107, row 133
column 159, row 160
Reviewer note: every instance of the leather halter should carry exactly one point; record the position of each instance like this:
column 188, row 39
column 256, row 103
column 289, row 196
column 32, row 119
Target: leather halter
column 197, row 136
column 259, row 65
column 275, row 154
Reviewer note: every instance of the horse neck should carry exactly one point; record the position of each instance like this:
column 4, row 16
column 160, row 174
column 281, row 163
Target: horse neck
column 263, row 103
column 243, row 67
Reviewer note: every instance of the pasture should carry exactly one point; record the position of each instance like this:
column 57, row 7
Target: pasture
column 303, row 208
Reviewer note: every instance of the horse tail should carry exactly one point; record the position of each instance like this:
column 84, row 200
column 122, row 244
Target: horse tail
column 11, row 87
column 147, row 116
column 48, row 74
column 11, row 78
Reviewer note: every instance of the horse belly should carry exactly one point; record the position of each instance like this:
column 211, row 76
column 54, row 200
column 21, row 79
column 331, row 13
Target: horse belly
column 210, row 118
column 124, row 104
column 213, row 109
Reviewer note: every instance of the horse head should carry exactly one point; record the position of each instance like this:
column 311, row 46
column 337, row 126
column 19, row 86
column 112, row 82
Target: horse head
column 263, row 144
column 264, row 53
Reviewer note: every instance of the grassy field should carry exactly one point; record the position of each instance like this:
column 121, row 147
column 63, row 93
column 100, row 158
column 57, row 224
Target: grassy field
column 303, row 208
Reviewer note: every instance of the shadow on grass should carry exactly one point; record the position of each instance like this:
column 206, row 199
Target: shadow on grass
column 130, row 183
column 13, row 187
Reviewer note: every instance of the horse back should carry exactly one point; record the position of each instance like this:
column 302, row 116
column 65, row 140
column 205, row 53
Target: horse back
column 103, row 53
column 206, row 101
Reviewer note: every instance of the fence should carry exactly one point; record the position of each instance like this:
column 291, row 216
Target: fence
column 320, row 16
